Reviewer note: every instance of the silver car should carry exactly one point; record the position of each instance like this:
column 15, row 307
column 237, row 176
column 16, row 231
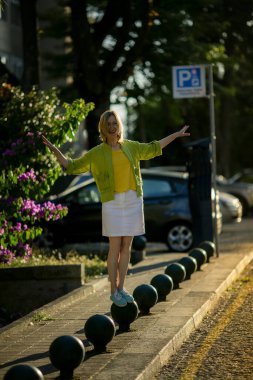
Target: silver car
column 231, row 208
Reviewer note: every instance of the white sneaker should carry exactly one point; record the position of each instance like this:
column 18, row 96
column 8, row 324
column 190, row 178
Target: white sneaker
column 124, row 293
column 118, row 299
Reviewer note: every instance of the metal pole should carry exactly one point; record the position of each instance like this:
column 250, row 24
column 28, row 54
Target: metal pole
column 213, row 145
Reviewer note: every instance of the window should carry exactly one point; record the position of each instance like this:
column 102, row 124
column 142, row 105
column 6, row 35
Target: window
column 3, row 11
column 13, row 63
column 3, row 58
column 88, row 194
column 180, row 185
column 15, row 13
column 156, row 188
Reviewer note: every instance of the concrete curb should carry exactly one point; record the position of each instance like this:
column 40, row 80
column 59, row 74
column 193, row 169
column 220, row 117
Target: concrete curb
column 170, row 348
column 55, row 305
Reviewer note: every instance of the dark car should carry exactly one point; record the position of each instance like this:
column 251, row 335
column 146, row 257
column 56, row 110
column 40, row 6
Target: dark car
column 166, row 210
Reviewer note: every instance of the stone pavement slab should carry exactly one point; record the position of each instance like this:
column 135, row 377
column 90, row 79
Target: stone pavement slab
column 141, row 352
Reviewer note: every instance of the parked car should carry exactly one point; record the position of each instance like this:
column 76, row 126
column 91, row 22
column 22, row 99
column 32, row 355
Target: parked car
column 246, row 175
column 166, row 209
column 242, row 190
column 231, row 208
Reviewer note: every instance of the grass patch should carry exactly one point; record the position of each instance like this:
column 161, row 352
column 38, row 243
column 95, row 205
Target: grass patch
column 41, row 316
column 245, row 279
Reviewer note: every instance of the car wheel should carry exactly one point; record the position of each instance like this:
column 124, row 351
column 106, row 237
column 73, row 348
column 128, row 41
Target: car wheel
column 179, row 238
column 244, row 203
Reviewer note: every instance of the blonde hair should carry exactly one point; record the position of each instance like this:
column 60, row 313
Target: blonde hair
column 103, row 122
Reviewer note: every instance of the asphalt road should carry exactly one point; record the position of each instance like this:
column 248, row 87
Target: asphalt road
column 222, row 347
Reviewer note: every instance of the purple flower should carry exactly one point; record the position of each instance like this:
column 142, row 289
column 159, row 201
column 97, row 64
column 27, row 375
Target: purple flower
column 25, row 176
column 17, row 227
column 9, row 152
column 23, row 250
column 6, row 256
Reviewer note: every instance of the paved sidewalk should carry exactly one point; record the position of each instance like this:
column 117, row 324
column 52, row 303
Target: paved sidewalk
column 140, row 353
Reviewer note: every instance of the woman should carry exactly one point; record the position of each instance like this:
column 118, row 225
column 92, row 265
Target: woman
column 115, row 166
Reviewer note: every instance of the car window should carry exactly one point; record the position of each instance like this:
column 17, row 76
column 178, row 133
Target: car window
column 181, row 185
column 247, row 178
column 156, row 187
column 88, row 194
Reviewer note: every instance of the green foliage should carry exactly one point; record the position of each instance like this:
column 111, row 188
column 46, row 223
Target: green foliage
column 41, row 316
column 95, row 265
column 28, row 169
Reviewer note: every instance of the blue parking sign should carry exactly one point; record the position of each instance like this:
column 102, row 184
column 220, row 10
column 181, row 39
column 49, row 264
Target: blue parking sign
column 189, row 81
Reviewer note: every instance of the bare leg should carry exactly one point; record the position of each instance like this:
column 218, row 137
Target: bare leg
column 124, row 259
column 113, row 261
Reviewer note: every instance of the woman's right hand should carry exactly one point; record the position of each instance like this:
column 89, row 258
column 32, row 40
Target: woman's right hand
column 48, row 143
column 59, row 156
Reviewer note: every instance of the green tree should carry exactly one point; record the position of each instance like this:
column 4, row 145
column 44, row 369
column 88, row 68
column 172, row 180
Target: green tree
column 225, row 33
column 127, row 48
column 107, row 39
column 218, row 33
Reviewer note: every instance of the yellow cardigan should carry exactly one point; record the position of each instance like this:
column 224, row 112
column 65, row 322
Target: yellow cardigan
column 98, row 161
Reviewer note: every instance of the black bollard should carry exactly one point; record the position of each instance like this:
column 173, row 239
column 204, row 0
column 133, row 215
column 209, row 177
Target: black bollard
column 190, row 264
column 200, row 255
column 163, row 284
column 66, row 353
column 209, row 247
column 177, row 272
column 99, row 329
column 139, row 242
column 146, row 297
column 23, row 372
column 124, row 316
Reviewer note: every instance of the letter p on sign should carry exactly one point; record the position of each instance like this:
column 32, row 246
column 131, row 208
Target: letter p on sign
column 183, row 77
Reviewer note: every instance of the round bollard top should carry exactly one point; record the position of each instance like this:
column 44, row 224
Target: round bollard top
column 66, row 352
column 139, row 243
column 23, row 372
column 146, row 296
column 200, row 255
column 163, row 284
column 190, row 264
column 176, row 271
column 124, row 316
column 209, row 247
column 99, row 329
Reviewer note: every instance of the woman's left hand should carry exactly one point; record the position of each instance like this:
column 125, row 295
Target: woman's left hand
column 182, row 132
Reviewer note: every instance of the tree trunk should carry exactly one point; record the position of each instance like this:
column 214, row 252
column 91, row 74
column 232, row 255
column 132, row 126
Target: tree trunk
column 30, row 44
column 225, row 125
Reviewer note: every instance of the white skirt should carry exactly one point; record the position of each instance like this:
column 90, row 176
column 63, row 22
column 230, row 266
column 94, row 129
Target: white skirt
column 123, row 216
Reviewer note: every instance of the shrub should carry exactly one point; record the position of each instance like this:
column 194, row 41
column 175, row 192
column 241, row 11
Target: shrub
column 28, row 169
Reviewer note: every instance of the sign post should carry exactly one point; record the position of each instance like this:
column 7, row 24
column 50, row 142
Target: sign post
column 189, row 82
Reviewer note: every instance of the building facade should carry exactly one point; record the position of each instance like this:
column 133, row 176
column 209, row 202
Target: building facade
column 11, row 37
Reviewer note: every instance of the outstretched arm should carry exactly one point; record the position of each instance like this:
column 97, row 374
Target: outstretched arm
column 58, row 154
column 168, row 139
